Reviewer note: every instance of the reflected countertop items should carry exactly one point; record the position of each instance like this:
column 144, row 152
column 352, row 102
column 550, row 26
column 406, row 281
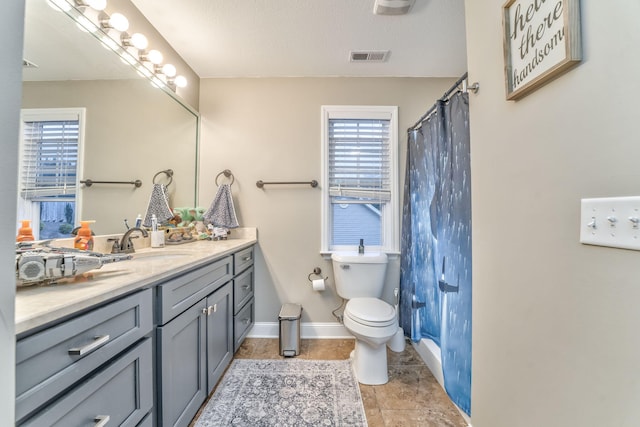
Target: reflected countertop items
column 40, row 305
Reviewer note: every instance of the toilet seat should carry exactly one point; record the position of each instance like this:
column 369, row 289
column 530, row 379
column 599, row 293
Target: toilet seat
column 370, row 312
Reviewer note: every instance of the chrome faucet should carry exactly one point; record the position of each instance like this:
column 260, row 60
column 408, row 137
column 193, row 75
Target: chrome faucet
column 126, row 245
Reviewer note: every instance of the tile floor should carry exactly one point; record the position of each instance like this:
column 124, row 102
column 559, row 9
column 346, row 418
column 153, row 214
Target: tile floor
column 411, row 398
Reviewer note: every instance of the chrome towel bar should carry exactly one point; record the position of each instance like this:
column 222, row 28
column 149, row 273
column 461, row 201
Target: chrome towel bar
column 313, row 183
column 90, row 182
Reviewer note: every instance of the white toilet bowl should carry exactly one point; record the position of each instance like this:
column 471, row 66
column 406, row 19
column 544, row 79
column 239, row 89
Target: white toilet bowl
column 373, row 323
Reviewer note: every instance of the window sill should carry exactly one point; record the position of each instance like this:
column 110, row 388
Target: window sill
column 392, row 255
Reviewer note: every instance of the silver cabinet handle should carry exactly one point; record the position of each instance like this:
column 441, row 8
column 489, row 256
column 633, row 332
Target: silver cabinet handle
column 247, row 258
column 245, row 287
column 101, row 420
column 97, row 342
column 246, row 321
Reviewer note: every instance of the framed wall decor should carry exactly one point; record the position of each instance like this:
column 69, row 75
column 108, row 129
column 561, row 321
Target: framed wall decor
column 541, row 40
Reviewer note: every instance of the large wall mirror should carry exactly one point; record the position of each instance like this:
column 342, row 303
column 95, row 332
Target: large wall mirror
column 132, row 130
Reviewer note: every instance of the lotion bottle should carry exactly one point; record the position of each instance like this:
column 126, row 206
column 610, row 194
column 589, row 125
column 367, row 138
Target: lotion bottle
column 25, row 233
column 84, row 237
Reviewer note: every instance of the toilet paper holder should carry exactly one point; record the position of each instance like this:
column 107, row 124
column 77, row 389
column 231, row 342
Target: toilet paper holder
column 317, row 272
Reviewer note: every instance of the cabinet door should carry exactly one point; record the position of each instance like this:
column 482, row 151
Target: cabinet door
column 219, row 333
column 181, row 360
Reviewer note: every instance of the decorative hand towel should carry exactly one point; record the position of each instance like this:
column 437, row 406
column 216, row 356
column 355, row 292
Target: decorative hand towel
column 222, row 213
column 158, row 205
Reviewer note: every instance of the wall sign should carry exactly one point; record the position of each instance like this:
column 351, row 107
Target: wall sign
column 541, row 41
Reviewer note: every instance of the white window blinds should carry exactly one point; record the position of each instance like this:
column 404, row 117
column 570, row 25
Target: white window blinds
column 359, row 159
column 49, row 158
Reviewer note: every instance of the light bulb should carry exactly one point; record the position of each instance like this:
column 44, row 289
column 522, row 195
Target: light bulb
column 154, row 56
column 180, row 81
column 139, row 41
column 119, row 22
column 169, row 70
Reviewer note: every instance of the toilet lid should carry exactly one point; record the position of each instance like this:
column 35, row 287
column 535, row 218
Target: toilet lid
column 370, row 311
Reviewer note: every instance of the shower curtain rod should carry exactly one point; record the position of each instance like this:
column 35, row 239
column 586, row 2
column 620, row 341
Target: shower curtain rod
column 443, row 98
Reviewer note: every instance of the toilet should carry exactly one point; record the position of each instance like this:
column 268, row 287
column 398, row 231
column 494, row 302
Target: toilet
column 359, row 279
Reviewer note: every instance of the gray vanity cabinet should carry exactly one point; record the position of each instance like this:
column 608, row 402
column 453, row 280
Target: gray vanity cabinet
column 195, row 346
column 243, row 291
column 95, row 365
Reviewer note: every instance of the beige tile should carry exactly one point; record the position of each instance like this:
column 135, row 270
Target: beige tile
column 419, row 418
column 412, row 397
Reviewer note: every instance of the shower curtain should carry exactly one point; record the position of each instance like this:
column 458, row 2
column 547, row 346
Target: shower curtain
column 435, row 279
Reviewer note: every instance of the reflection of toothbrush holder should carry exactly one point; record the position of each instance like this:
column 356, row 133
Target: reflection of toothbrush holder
column 397, row 342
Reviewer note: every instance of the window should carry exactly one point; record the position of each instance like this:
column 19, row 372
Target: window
column 50, row 148
column 360, row 178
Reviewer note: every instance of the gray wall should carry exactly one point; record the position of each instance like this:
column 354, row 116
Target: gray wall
column 555, row 323
column 11, row 30
column 269, row 129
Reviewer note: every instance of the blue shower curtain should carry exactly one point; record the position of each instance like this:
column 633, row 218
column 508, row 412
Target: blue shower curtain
column 435, row 277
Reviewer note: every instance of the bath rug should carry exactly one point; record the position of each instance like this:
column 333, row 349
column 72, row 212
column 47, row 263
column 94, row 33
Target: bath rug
column 286, row 393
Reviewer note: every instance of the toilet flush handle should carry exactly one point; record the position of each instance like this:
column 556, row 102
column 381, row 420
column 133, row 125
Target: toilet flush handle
column 345, row 266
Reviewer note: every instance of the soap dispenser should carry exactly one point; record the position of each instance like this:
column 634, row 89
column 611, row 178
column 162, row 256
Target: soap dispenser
column 84, row 237
column 25, row 233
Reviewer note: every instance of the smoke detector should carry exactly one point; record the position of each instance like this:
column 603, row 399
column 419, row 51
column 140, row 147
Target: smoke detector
column 392, row 7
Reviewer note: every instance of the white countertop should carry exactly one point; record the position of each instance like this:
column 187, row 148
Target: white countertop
column 42, row 304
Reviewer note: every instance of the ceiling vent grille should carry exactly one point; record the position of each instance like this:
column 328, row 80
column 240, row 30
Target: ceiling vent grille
column 368, row 56
column 28, row 64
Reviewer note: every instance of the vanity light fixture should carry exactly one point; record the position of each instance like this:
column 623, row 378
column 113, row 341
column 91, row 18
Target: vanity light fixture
column 137, row 40
column 90, row 16
column 169, row 70
column 180, row 81
column 117, row 21
column 153, row 56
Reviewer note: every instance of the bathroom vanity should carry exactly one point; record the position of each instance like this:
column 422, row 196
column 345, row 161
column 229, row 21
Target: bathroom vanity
column 136, row 343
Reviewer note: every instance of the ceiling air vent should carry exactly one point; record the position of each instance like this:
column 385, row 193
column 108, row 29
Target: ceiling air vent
column 368, row 56
column 28, row 64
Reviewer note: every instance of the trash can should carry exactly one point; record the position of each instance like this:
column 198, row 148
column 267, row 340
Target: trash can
column 289, row 318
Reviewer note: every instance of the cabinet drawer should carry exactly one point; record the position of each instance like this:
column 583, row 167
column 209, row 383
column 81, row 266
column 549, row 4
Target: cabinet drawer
column 180, row 293
column 121, row 393
column 242, row 259
column 242, row 324
column 53, row 360
column 242, row 289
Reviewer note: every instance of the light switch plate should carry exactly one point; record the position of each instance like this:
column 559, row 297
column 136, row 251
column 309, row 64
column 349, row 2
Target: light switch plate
column 611, row 221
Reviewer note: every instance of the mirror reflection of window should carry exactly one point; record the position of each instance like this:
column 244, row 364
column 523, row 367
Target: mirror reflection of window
column 49, row 170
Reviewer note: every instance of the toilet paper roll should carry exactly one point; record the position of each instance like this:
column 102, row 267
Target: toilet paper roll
column 318, row 285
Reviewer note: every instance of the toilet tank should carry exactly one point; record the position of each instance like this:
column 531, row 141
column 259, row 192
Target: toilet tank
column 359, row 275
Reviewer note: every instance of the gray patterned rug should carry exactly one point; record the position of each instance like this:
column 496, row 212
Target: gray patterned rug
column 285, row 393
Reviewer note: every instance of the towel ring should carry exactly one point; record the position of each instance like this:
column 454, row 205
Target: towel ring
column 226, row 173
column 168, row 172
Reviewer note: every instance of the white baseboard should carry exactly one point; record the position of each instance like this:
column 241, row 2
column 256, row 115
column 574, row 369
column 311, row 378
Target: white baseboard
column 307, row 330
